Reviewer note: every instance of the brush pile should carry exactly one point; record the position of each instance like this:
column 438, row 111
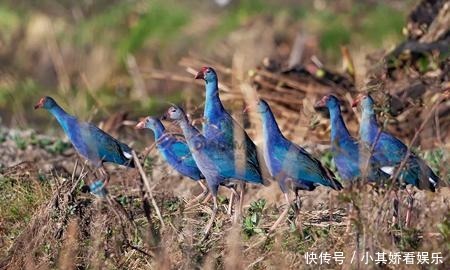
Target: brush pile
column 406, row 81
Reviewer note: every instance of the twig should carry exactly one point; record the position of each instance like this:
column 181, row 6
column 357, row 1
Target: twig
column 147, row 186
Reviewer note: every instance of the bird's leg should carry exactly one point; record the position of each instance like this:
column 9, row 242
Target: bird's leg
column 199, row 197
column 298, row 202
column 213, row 216
column 232, row 196
column 283, row 215
column 298, row 205
column 207, row 198
column 236, row 214
column 105, row 174
column 409, row 210
column 230, row 203
column 395, row 206
column 241, row 199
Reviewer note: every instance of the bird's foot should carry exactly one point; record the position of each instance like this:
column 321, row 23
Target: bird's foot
column 280, row 219
column 196, row 200
column 209, row 225
column 98, row 188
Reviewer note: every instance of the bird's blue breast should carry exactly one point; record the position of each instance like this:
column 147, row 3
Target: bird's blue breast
column 178, row 155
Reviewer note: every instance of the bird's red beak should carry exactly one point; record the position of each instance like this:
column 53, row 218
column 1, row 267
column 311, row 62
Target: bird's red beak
column 140, row 125
column 247, row 108
column 40, row 104
column 322, row 103
column 200, row 75
column 357, row 100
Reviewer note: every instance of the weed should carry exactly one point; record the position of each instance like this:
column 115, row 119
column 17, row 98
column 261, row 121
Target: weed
column 253, row 218
column 20, row 141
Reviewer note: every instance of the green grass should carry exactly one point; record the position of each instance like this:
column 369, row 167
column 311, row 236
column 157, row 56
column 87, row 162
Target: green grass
column 9, row 22
column 19, row 198
column 161, row 21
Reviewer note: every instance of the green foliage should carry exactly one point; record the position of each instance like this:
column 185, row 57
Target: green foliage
column 52, row 146
column 300, row 241
column 9, row 22
column 172, row 205
column 240, row 14
column 148, row 164
column 253, row 218
column 101, row 26
column 335, row 34
column 20, row 142
column 381, row 23
column 161, row 21
column 18, row 199
column 435, row 159
column 408, row 239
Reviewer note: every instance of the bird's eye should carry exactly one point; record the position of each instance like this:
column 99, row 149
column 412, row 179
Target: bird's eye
column 208, row 71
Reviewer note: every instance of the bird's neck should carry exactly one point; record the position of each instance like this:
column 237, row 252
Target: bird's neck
column 159, row 130
column 368, row 116
column 61, row 116
column 213, row 104
column 338, row 128
column 189, row 131
column 271, row 131
column 369, row 125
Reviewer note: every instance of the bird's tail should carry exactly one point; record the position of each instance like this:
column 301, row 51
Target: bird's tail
column 334, row 183
column 433, row 180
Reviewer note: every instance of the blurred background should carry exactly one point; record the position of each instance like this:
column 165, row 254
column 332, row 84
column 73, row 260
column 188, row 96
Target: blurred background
column 102, row 57
column 112, row 62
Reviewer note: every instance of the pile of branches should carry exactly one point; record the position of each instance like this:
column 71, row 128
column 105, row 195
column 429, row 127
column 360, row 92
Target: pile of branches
column 406, row 82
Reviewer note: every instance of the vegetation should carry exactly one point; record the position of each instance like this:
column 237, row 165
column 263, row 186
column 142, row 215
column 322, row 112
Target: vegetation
column 110, row 62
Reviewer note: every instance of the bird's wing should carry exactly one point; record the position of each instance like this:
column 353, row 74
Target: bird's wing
column 299, row 164
column 104, row 146
column 392, row 148
column 183, row 155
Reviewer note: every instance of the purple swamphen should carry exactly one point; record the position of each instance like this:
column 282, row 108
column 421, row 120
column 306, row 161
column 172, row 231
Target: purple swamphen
column 344, row 148
column 391, row 154
column 389, row 151
column 350, row 162
column 174, row 151
column 89, row 141
column 219, row 125
column 214, row 160
column 291, row 165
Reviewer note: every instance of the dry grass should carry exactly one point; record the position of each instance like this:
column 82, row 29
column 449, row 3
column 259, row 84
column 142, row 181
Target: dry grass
column 71, row 229
column 47, row 223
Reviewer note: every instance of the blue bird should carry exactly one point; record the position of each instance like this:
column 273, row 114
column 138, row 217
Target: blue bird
column 389, row 152
column 291, row 165
column 220, row 126
column 344, row 148
column 89, row 141
column 174, row 151
column 215, row 161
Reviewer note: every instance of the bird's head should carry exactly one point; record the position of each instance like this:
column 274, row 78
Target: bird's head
column 148, row 122
column 365, row 101
column 174, row 113
column 261, row 106
column 46, row 103
column 327, row 102
column 207, row 74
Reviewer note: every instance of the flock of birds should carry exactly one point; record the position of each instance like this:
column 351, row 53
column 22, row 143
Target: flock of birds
column 223, row 154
